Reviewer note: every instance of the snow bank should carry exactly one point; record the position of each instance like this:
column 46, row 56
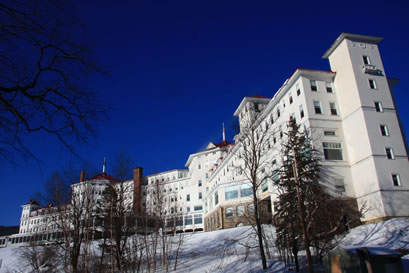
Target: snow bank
column 226, row 251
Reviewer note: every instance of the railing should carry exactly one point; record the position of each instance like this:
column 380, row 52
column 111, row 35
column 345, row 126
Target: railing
column 371, row 69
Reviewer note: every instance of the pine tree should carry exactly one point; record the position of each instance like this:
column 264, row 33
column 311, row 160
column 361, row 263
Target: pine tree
column 308, row 214
column 299, row 173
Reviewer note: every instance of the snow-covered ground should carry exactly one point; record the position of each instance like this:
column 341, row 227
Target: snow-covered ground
column 224, row 251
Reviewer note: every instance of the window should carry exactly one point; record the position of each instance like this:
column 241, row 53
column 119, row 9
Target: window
column 199, row 183
column 200, row 195
column 293, row 117
column 301, row 111
column 291, row 99
column 198, row 219
column 250, row 209
column 231, row 193
column 199, row 166
column 329, row 133
column 372, row 84
column 317, row 107
column 188, row 197
column 256, row 107
column 328, row 85
column 313, row 85
column 384, row 130
column 278, row 112
column 272, row 119
column 187, row 209
column 378, row 106
column 298, row 89
column 332, row 151
column 240, row 211
column 207, row 175
column 396, row 180
column 333, row 109
column 264, row 185
column 389, row 153
column 216, row 198
column 229, row 212
column 246, row 190
column 366, row 59
column 188, row 220
column 197, row 208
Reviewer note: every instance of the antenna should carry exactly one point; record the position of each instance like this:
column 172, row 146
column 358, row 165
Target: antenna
column 105, row 164
column 224, row 133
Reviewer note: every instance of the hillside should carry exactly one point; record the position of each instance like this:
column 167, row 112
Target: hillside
column 226, row 251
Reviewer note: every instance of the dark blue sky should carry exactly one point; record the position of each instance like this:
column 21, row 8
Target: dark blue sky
column 180, row 69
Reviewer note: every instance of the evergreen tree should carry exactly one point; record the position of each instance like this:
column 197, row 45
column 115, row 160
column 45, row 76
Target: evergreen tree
column 299, row 173
column 308, row 214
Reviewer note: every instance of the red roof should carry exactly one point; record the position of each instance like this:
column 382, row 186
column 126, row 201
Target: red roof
column 105, row 176
column 223, row 144
column 259, row 97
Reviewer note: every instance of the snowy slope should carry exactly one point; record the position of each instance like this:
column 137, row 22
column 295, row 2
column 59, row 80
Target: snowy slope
column 224, row 250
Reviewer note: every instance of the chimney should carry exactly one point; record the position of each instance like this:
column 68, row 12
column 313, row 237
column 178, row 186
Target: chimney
column 137, row 189
column 82, row 176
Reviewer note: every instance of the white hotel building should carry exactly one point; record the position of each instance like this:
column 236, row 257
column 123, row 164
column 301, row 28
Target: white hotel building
column 351, row 114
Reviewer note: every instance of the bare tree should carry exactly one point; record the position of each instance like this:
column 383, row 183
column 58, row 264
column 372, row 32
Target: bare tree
column 119, row 223
column 71, row 221
column 42, row 259
column 45, row 66
column 253, row 151
column 122, row 164
column 167, row 234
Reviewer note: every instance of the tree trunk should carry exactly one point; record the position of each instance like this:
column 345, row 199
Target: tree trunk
column 259, row 229
column 302, row 218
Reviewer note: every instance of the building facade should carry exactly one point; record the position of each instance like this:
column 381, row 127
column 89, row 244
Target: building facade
column 352, row 119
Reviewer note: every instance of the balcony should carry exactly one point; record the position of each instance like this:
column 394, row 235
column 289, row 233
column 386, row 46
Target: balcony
column 371, row 69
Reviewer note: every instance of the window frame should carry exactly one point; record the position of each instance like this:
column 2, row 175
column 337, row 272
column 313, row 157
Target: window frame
column 229, row 209
column 327, row 148
column 264, row 185
column 230, row 193
column 329, row 88
column 333, row 110
column 247, row 189
column 319, row 107
column 372, row 84
column 384, row 130
column 378, row 106
column 240, row 212
column 396, row 180
column 252, row 210
column 330, row 133
column 366, row 60
column 389, row 153
column 313, row 86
